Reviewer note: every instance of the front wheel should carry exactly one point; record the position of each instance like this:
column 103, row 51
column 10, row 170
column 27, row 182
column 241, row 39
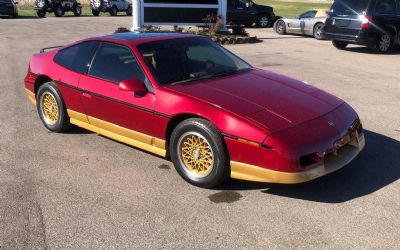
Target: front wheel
column 263, row 22
column 280, row 27
column 198, row 153
column 385, row 43
column 339, row 44
column 318, row 31
column 51, row 108
column 77, row 10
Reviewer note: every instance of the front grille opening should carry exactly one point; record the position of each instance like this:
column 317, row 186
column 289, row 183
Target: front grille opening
column 308, row 160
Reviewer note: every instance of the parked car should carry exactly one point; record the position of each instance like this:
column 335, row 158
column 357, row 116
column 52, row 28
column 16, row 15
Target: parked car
column 9, row 8
column 111, row 6
column 59, row 7
column 373, row 23
column 309, row 23
column 186, row 97
column 246, row 12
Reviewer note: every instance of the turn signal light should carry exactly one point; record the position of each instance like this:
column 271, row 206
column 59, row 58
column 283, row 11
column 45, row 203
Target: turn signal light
column 366, row 22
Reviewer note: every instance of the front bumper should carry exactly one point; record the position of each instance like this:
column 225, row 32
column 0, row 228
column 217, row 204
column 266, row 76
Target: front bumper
column 332, row 162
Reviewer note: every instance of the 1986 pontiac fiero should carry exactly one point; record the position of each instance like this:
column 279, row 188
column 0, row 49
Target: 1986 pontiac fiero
column 187, row 98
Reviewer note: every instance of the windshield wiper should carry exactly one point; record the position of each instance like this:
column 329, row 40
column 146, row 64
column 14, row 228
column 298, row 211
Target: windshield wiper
column 229, row 72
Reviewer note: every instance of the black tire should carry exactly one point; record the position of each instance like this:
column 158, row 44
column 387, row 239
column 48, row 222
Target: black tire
column 77, row 10
column 263, row 21
column 318, row 31
column 59, row 11
column 384, row 43
column 129, row 11
column 339, row 44
column 61, row 124
column 41, row 13
column 15, row 15
column 213, row 144
column 114, row 11
column 95, row 12
column 280, row 27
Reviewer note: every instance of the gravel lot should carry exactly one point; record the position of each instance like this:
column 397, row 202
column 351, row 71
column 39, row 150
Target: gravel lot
column 83, row 191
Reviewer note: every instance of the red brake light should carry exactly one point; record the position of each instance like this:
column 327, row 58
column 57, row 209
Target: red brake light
column 366, row 22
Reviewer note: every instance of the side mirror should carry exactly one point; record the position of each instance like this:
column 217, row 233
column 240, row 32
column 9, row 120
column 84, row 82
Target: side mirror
column 133, row 85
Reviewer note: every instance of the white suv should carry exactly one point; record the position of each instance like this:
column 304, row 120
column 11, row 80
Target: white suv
column 111, row 6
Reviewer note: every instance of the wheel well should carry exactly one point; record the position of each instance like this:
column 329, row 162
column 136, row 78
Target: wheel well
column 317, row 24
column 40, row 80
column 391, row 29
column 174, row 122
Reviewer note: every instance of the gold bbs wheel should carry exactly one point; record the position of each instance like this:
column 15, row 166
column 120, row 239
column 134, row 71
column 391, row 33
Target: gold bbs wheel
column 195, row 154
column 49, row 108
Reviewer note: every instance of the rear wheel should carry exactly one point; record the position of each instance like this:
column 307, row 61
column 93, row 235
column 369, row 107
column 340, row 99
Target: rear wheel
column 263, row 21
column 95, row 12
column 318, row 31
column 280, row 27
column 114, row 11
column 198, row 153
column 385, row 43
column 339, row 44
column 59, row 11
column 51, row 108
column 41, row 13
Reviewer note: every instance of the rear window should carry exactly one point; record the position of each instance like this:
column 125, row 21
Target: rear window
column 349, row 7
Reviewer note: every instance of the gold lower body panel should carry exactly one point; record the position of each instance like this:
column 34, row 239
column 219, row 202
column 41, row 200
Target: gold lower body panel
column 118, row 133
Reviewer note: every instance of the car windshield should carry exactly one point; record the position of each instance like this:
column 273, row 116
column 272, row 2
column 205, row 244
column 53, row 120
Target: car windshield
column 189, row 59
column 349, row 7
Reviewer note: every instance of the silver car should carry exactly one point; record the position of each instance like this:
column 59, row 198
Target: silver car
column 309, row 23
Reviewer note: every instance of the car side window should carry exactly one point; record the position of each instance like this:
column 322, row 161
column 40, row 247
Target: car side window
column 309, row 14
column 116, row 63
column 385, row 7
column 242, row 3
column 77, row 57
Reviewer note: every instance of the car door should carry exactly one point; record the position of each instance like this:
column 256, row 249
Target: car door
column 246, row 11
column 298, row 25
column 106, row 105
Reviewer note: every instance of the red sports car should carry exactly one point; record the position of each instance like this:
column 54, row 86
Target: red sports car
column 187, row 98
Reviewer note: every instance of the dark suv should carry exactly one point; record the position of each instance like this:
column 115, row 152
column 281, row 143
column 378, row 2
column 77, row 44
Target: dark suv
column 373, row 23
column 246, row 12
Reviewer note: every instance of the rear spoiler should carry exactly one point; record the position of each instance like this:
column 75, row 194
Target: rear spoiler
column 44, row 49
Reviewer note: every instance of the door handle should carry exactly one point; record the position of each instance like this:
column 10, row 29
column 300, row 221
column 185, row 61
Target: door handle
column 87, row 95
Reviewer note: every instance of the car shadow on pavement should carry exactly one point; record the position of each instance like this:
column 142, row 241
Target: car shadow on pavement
column 377, row 166
column 285, row 37
column 366, row 50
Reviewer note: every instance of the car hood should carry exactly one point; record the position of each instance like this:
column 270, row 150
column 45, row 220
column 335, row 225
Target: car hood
column 268, row 99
